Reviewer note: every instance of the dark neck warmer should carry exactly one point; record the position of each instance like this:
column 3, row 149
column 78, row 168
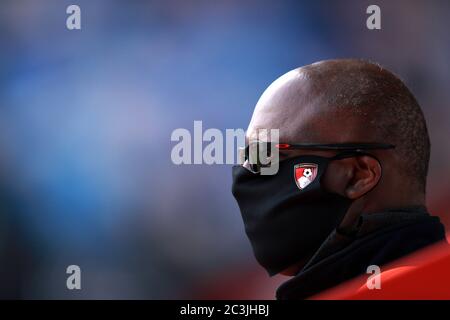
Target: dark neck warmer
column 377, row 239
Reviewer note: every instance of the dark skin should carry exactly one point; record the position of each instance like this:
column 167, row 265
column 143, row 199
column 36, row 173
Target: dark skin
column 296, row 106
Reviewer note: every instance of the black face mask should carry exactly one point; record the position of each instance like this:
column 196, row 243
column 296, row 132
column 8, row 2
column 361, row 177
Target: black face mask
column 287, row 216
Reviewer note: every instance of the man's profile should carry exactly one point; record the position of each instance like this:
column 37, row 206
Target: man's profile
column 350, row 189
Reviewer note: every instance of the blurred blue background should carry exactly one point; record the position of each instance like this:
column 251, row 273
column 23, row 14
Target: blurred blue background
column 86, row 118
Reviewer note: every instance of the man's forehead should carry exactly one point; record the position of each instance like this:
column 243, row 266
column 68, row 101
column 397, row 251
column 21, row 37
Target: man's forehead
column 288, row 105
column 300, row 108
column 300, row 122
column 311, row 124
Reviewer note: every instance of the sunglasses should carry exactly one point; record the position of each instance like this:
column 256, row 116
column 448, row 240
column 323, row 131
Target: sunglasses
column 257, row 155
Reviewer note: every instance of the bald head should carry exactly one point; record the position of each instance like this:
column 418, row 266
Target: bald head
column 339, row 101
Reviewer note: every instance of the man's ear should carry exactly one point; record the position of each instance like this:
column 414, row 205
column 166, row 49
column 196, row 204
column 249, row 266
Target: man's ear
column 365, row 174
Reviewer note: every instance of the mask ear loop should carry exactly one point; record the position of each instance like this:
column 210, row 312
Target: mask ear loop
column 357, row 205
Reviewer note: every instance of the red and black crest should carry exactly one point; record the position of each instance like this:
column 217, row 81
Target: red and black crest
column 304, row 174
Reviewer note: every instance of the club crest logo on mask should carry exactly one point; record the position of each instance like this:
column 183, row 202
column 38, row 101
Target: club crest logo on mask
column 304, row 174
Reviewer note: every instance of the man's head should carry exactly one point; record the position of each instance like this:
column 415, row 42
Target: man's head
column 339, row 101
column 351, row 101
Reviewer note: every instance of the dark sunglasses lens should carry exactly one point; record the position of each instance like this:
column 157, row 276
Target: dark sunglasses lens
column 258, row 149
column 256, row 155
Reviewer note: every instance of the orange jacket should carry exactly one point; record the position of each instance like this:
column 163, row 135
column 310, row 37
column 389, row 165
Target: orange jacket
column 422, row 275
